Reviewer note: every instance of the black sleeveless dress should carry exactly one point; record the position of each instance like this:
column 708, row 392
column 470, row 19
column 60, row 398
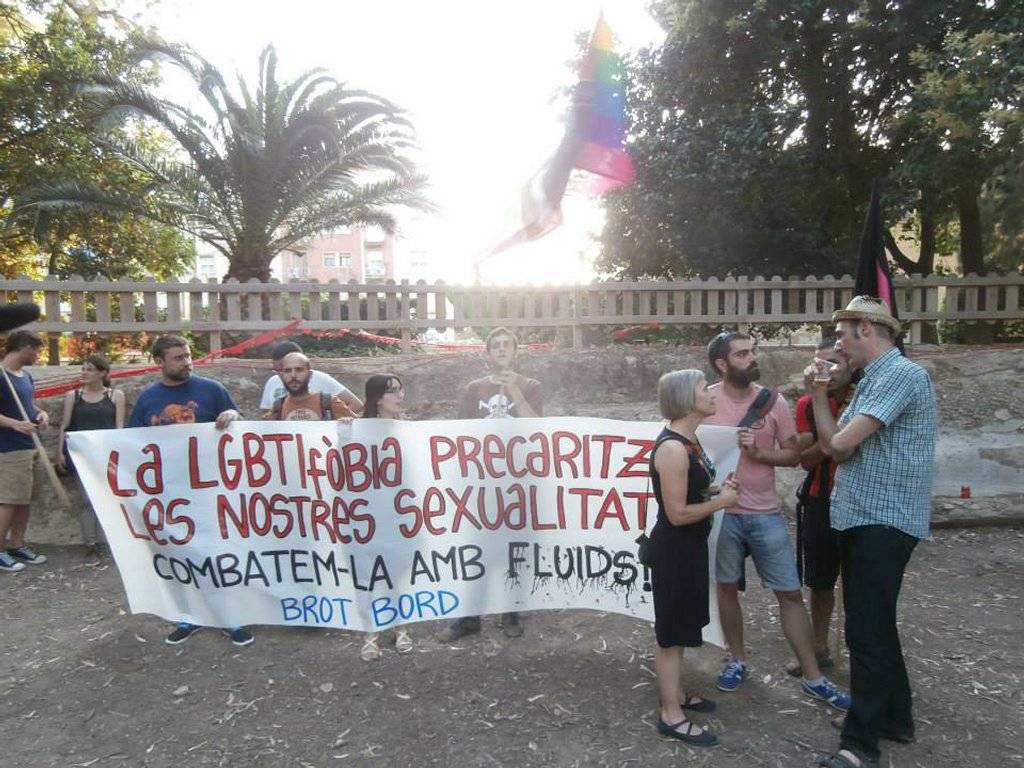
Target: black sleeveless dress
column 679, row 553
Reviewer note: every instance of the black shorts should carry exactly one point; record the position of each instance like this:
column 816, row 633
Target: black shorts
column 817, row 545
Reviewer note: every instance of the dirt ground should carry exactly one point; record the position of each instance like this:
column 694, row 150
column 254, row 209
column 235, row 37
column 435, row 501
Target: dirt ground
column 82, row 683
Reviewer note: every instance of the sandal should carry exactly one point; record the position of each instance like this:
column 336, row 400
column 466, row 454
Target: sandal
column 698, row 704
column 844, row 758
column 701, row 738
column 403, row 642
column 370, row 650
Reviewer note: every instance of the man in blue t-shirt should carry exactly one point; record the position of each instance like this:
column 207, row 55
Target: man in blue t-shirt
column 18, row 450
column 183, row 398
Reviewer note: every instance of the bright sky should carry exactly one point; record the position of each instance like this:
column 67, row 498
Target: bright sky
column 479, row 79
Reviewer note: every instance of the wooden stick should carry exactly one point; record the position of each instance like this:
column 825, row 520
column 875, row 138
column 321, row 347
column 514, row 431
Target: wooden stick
column 58, row 486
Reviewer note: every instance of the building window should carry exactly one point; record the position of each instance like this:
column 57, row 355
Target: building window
column 375, row 266
column 207, row 265
column 334, row 259
column 299, row 267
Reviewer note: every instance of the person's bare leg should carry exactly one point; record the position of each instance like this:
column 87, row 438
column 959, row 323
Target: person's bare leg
column 6, row 515
column 668, row 664
column 823, row 603
column 19, row 524
column 797, row 629
column 730, row 614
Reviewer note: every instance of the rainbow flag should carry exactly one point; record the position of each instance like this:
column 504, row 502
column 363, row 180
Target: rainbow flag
column 594, row 142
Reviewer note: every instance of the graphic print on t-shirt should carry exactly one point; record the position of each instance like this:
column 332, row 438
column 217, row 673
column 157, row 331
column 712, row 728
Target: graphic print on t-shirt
column 497, row 407
column 174, row 413
column 303, row 414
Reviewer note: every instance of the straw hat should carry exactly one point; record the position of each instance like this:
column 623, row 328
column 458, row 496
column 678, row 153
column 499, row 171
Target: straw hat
column 868, row 308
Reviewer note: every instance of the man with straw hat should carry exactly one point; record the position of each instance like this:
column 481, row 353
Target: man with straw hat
column 884, row 443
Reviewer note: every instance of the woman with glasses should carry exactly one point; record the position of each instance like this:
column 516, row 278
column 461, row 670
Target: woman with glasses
column 94, row 405
column 384, row 397
column 681, row 477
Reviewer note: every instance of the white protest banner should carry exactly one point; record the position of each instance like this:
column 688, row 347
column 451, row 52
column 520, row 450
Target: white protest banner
column 379, row 522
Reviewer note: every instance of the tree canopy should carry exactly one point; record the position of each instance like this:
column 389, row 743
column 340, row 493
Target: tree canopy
column 255, row 170
column 758, row 128
column 47, row 49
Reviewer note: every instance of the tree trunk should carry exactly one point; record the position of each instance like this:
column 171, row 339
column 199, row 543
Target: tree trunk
column 53, row 339
column 971, row 247
column 926, row 262
column 928, row 227
column 971, row 253
column 245, row 269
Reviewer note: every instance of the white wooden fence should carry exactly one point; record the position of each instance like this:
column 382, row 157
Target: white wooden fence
column 405, row 309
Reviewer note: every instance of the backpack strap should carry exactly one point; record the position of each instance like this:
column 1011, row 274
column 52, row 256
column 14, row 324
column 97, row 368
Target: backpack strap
column 760, row 408
column 326, row 413
column 275, row 409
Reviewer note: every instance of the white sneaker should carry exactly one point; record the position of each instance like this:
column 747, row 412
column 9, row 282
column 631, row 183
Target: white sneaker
column 9, row 565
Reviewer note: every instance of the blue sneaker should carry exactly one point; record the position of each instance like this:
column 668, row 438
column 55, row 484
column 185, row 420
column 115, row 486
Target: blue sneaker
column 828, row 692
column 733, row 673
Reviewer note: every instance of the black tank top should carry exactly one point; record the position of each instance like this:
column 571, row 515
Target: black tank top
column 699, row 477
column 98, row 415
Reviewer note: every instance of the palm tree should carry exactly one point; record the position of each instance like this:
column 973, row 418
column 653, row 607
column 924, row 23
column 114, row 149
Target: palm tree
column 257, row 173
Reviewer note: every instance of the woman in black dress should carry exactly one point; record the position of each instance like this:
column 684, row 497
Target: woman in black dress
column 682, row 477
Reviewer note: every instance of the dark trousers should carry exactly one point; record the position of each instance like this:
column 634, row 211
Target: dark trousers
column 873, row 559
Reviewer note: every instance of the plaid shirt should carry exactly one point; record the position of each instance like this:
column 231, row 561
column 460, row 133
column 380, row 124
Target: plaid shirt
column 888, row 479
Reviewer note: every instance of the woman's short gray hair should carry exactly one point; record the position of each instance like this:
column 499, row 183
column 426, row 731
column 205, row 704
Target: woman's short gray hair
column 677, row 392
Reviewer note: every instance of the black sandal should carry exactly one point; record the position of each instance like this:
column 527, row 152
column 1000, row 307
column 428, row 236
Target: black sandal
column 698, row 704
column 703, row 738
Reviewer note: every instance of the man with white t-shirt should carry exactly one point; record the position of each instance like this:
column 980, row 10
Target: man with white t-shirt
column 755, row 526
column 318, row 382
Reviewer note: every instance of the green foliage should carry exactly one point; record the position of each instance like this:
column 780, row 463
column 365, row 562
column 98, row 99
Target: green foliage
column 46, row 137
column 262, row 169
column 757, row 129
column 1002, row 332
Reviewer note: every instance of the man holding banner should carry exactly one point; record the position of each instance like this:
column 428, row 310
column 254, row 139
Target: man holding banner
column 183, row 398
column 17, row 450
column 501, row 394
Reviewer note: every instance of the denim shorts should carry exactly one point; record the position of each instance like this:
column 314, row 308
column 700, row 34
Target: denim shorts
column 766, row 538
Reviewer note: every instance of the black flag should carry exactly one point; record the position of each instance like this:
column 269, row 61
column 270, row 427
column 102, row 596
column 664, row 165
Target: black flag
column 873, row 276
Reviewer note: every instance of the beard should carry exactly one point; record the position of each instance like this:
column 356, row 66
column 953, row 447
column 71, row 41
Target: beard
column 742, row 378
column 297, row 388
column 180, row 375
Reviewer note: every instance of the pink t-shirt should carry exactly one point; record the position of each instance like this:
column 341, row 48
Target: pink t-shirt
column 757, row 480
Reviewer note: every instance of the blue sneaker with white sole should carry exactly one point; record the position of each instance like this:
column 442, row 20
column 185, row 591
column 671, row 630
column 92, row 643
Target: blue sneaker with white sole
column 732, row 674
column 828, row 692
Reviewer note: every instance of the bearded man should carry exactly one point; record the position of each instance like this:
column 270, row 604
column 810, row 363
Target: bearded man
column 755, row 526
